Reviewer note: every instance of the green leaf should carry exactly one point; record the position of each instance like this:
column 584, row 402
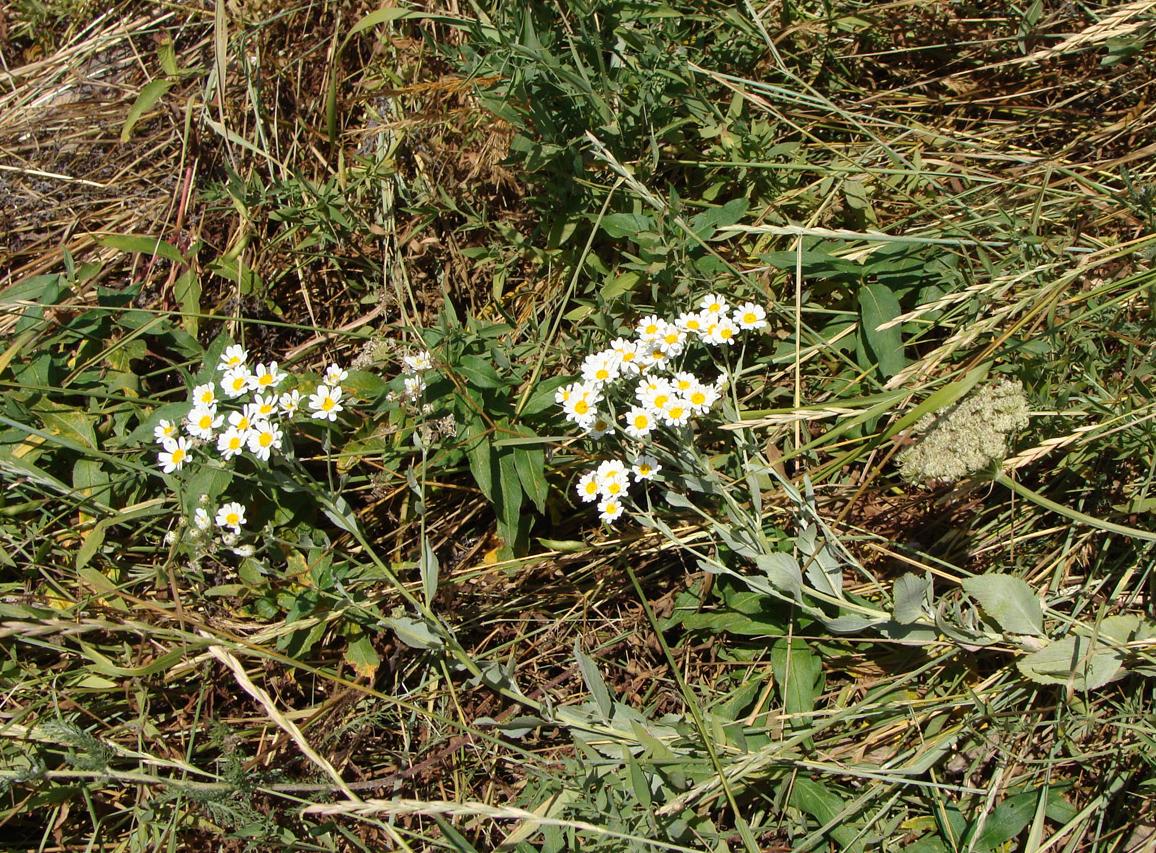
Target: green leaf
column 361, row 655
column 530, row 463
column 910, row 598
column 878, row 305
column 594, row 682
column 797, row 670
column 429, row 568
column 143, row 245
column 1082, row 661
column 626, row 224
column 1006, row 821
column 1009, row 601
column 827, row 807
column 509, row 498
column 152, row 92
column 414, row 633
column 480, row 455
column 187, row 290
column 782, row 570
column 479, row 372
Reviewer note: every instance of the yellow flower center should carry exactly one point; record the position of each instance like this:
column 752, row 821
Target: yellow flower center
column 602, row 374
column 675, row 412
column 749, row 317
column 265, row 439
column 661, row 400
column 264, row 379
column 235, row 442
column 178, row 456
column 591, row 488
column 697, row 398
column 641, row 421
column 581, row 407
column 327, row 404
column 232, row 519
column 238, row 383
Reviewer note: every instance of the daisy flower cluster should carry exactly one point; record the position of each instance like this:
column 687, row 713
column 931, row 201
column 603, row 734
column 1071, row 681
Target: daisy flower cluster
column 242, row 413
column 661, row 394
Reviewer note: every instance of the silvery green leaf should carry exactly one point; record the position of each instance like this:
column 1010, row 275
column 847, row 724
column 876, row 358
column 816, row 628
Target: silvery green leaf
column 851, row 624
column 1009, row 601
column 594, row 682
column 909, row 598
column 782, row 570
column 415, row 634
column 825, row 572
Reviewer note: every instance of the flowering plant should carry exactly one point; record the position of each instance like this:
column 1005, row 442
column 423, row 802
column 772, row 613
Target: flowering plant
column 644, row 389
column 244, row 412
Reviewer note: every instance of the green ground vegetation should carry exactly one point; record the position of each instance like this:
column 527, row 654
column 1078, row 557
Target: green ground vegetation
column 805, row 635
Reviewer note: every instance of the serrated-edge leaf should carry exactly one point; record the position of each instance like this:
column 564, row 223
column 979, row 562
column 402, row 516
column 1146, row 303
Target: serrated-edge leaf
column 909, row 597
column 1009, row 601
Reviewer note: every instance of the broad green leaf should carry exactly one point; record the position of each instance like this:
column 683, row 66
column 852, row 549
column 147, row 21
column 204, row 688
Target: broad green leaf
column 479, row 372
column 530, row 463
column 878, row 305
column 1006, row 821
column 187, row 290
column 594, row 682
column 910, row 597
column 414, row 633
column 143, row 245
column 1009, row 601
column 480, row 455
column 827, row 807
column 797, row 670
column 782, row 570
column 626, row 224
column 360, row 654
column 508, row 501
column 150, row 93
column 1079, row 660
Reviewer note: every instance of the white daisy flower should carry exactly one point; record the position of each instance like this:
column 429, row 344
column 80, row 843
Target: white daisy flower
column 692, row 323
column 676, row 413
column 612, row 478
column 671, row 340
column 290, row 402
column 325, row 403
column 233, row 357
column 175, row 454
column 201, row 519
column 588, row 487
column 164, row 430
column 581, row 399
column 609, row 509
column 656, row 397
column 639, row 422
column 266, row 377
column 601, row 367
column 750, row 316
column 598, row 427
column 414, row 386
column 334, row 375
column 701, row 398
column 264, row 438
column 649, row 328
column 230, row 443
column 722, row 333
column 242, row 421
column 265, row 406
column 627, row 352
column 645, row 467
column 231, row 515
column 203, row 423
column 236, row 381
column 205, row 396
column 713, row 305
column 418, row 362
column 683, row 381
